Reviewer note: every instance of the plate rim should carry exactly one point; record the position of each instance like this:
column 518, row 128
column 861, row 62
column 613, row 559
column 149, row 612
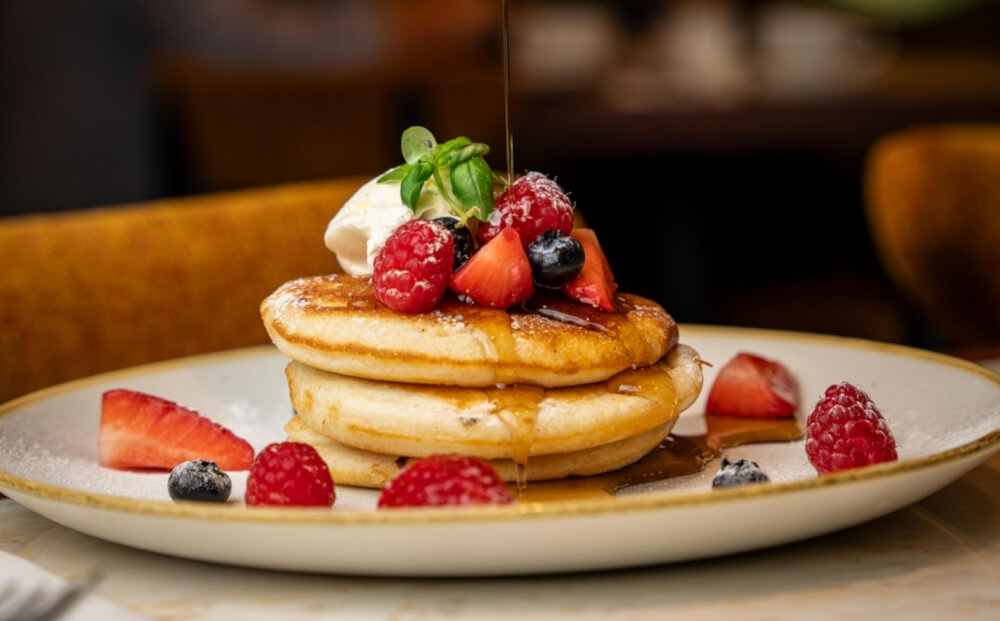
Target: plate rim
column 231, row 512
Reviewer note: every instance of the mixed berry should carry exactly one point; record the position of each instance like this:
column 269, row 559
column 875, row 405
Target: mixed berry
column 502, row 247
column 739, row 472
column 555, row 259
column 847, row 430
column 753, row 386
column 445, row 480
column 139, row 430
column 533, row 205
column 199, row 480
column 290, row 474
column 412, row 270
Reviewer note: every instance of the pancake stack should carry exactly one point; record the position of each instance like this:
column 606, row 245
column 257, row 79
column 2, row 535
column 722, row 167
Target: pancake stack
column 543, row 391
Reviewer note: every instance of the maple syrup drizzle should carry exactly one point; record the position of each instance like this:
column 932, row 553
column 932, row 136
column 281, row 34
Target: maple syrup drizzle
column 676, row 456
column 517, row 404
column 558, row 315
column 508, row 138
column 518, row 407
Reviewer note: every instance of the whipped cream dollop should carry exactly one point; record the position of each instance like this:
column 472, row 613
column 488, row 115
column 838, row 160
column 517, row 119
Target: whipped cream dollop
column 358, row 231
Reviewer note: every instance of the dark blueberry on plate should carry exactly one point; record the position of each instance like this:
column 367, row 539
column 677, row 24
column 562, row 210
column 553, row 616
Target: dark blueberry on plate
column 465, row 246
column 200, row 480
column 739, row 472
column 555, row 259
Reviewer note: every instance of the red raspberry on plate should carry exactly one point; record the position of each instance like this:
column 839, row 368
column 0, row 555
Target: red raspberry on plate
column 533, row 204
column 441, row 480
column 846, row 430
column 290, row 474
column 411, row 272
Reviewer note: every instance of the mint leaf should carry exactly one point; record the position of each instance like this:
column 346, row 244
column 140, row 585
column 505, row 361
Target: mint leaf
column 413, row 183
column 472, row 182
column 417, row 142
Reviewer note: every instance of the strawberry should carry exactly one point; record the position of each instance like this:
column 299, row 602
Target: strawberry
column 498, row 275
column 142, row 431
column 595, row 284
column 440, row 480
column 749, row 385
column 411, row 272
column 533, row 204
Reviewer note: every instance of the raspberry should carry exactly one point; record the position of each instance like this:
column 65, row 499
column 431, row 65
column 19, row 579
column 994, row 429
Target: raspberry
column 533, row 204
column 846, row 430
column 290, row 474
column 441, row 480
column 412, row 270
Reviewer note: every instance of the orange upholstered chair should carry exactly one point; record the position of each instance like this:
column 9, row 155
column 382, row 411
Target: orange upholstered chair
column 100, row 289
column 934, row 211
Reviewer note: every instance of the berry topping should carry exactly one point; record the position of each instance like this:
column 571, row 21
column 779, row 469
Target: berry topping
column 199, row 479
column 441, row 480
column 846, row 430
column 142, row 431
column 749, row 385
column 555, row 259
column 739, row 472
column 532, row 205
column 290, row 474
column 498, row 275
column 412, row 270
column 465, row 245
column 594, row 285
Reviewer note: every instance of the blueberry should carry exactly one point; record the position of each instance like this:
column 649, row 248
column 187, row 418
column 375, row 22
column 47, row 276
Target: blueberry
column 555, row 259
column 464, row 244
column 199, row 479
column 739, row 472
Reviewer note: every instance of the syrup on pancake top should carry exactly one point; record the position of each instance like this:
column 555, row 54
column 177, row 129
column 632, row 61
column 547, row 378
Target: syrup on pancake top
column 455, row 278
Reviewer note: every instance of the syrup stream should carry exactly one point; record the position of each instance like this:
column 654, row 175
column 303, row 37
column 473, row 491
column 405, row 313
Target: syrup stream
column 508, row 138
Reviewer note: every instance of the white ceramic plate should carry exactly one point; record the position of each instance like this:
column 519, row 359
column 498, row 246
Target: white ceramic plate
column 945, row 414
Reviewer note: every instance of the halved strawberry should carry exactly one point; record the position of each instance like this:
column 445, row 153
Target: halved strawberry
column 142, row 431
column 498, row 275
column 595, row 284
column 749, row 385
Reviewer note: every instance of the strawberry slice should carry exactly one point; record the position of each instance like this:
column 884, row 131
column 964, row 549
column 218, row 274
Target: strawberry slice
column 749, row 385
column 142, row 431
column 498, row 275
column 595, row 284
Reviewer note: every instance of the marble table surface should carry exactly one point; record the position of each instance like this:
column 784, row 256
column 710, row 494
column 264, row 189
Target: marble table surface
column 938, row 558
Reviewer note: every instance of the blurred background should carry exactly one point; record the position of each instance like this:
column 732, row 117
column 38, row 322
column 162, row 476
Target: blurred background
column 718, row 146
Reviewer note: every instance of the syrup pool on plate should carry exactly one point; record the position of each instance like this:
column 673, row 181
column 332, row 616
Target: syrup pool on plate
column 676, row 456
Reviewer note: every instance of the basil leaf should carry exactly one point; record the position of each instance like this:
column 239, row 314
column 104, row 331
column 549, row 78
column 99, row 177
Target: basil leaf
column 417, row 142
column 396, row 174
column 444, row 154
column 477, row 149
column 472, row 182
column 413, row 183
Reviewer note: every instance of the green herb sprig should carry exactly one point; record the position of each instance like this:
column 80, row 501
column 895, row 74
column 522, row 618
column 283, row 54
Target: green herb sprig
column 470, row 194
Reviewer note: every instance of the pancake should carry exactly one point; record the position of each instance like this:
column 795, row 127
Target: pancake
column 352, row 466
column 517, row 421
column 334, row 323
